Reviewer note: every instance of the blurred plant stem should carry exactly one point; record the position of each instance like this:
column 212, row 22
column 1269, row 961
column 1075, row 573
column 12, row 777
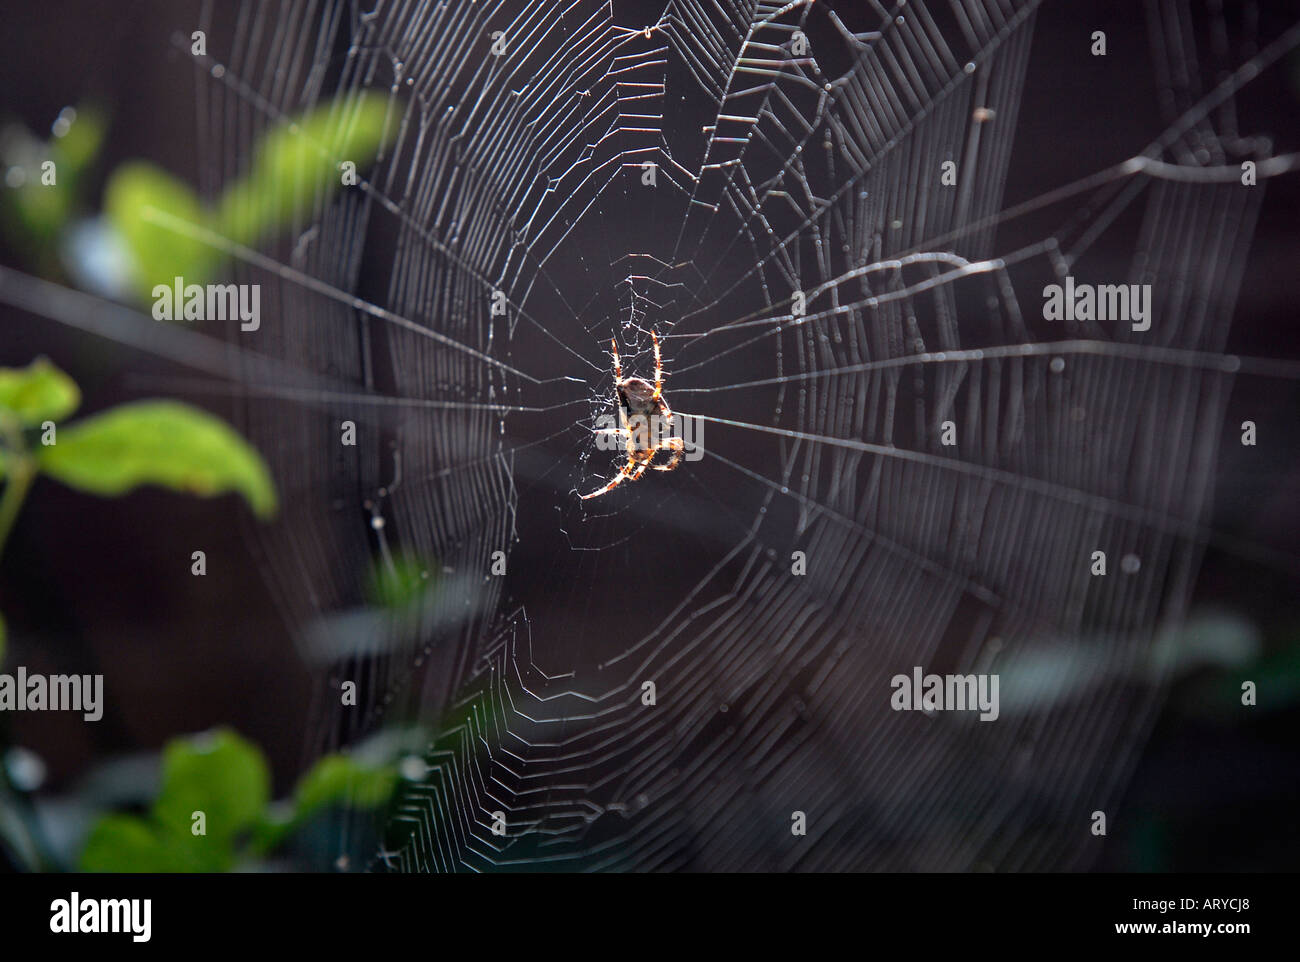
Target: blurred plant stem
column 20, row 481
column 16, row 817
column 19, row 471
column 19, row 828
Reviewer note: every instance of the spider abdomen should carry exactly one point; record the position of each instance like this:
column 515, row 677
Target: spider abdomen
column 638, row 396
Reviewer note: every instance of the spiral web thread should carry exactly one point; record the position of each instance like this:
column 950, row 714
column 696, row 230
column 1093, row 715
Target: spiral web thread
column 774, row 172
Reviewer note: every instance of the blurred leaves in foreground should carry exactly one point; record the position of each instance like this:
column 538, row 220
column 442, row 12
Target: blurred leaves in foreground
column 399, row 585
column 37, row 393
column 214, row 811
column 44, row 180
column 154, row 226
column 165, row 443
column 159, row 442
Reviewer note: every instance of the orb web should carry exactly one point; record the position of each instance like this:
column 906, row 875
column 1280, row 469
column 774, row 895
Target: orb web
column 766, row 187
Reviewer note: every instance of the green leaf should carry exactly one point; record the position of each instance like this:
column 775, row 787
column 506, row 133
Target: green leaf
column 298, row 163
column 336, row 779
column 77, row 149
column 38, row 392
column 36, row 212
column 40, row 210
column 159, row 442
column 333, row 780
column 125, row 843
column 407, row 581
column 220, row 774
column 147, row 205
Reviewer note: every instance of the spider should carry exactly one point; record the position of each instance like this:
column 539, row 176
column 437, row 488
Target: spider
column 640, row 401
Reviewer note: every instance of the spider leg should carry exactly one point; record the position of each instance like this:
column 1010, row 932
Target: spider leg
column 622, row 420
column 618, row 365
column 676, row 446
column 664, row 427
column 666, row 411
column 615, row 481
column 659, row 366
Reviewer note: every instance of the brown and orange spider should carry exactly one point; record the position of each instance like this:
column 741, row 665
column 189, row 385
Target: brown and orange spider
column 641, row 402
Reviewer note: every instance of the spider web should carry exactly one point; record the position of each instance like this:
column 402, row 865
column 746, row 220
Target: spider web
column 775, row 170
